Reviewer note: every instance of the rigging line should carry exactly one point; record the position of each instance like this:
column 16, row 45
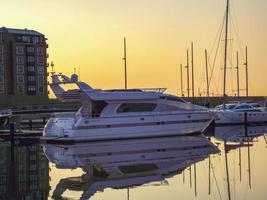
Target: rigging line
column 215, row 83
column 216, row 182
column 217, row 49
column 236, row 30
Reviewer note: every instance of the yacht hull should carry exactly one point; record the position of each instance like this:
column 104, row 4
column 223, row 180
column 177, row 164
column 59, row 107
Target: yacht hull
column 71, row 129
column 231, row 118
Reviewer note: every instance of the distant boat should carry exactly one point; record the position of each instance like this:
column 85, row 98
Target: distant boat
column 238, row 113
column 122, row 114
column 127, row 163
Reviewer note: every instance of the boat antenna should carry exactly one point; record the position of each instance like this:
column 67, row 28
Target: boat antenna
column 225, row 50
column 125, row 64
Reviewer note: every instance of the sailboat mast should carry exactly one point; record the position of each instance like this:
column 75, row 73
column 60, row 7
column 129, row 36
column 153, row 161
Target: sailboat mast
column 246, row 64
column 192, row 63
column 181, row 75
column 225, row 49
column 207, row 74
column 187, row 67
column 125, row 64
column 237, row 74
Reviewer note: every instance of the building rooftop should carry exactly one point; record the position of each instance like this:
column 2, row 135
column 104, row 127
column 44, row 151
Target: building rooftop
column 20, row 31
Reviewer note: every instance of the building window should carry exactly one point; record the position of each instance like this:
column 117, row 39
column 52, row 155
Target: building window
column 40, row 69
column 40, row 60
column 40, row 51
column 1, row 69
column 1, row 59
column 2, row 89
column 20, row 69
column 41, row 80
column 20, row 79
column 136, row 107
column 31, row 78
column 41, row 89
column 30, row 58
column 30, row 49
column 19, row 50
column 20, row 89
column 2, row 80
column 20, row 60
column 31, row 88
column 26, row 39
column 35, row 40
column 31, row 69
column 1, row 37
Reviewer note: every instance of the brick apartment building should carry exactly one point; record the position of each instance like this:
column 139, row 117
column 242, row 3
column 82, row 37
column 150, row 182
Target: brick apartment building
column 23, row 67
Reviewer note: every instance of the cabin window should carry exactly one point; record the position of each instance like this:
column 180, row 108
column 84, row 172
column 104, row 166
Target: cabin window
column 136, row 107
column 97, row 107
column 138, row 168
column 173, row 99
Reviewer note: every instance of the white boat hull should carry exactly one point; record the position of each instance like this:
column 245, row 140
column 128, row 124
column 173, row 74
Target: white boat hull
column 92, row 129
column 230, row 117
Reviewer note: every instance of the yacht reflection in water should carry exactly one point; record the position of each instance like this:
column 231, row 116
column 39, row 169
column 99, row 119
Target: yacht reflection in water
column 123, row 164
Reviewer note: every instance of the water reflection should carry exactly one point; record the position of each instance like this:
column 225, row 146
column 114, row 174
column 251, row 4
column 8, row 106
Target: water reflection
column 124, row 164
column 189, row 167
column 24, row 172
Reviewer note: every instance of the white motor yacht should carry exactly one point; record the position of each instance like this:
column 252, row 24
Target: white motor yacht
column 121, row 114
column 127, row 163
column 234, row 113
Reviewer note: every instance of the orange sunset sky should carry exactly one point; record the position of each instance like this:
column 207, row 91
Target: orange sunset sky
column 88, row 34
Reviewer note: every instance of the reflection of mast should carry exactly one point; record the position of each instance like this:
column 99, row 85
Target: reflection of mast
column 209, row 173
column 190, row 174
column 249, row 169
column 195, row 178
column 240, row 172
column 128, row 193
column 227, row 172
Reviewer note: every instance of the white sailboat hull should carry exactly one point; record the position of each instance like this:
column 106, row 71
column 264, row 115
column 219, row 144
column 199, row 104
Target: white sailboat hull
column 230, row 117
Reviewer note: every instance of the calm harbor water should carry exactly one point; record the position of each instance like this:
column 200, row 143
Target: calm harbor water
column 190, row 167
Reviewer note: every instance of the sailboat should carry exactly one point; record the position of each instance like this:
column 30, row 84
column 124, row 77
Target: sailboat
column 237, row 113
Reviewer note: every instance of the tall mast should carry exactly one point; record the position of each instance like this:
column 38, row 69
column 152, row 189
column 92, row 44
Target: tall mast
column 237, row 74
column 192, row 63
column 246, row 65
column 125, row 64
column 207, row 74
column 225, row 50
column 181, row 75
column 187, row 67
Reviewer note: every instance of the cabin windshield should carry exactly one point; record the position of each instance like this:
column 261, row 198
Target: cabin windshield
column 97, row 108
column 136, row 107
